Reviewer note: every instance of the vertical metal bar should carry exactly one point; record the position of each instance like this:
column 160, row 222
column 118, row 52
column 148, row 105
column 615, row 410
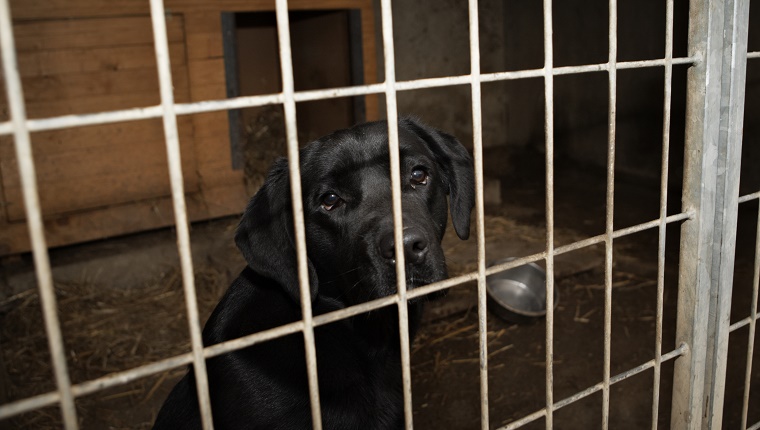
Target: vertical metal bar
column 699, row 190
column 752, row 325
column 477, row 136
column 392, row 117
column 289, row 106
column 25, row 161
column 611, row 115
column 549, row 137
column 733, row 79
column 171, row 136
column 666, row 109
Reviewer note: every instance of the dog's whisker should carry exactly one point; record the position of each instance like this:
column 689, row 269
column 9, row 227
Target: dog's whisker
column 343, row 295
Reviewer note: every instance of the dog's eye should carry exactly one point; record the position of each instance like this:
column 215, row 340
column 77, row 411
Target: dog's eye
column 330, row 201
column 419, row 177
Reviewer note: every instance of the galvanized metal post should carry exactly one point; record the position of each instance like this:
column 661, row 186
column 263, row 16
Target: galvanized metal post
column 700, row 154
column 715, row 98
column 733, row 79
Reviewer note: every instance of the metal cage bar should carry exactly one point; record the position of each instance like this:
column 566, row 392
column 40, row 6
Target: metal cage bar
column 23, row 145
column 710, row 202
column 395, row 172
column 610, row 206
column 662, row 228
column 715, row 98
column 289, row 106
column 549, row 145
column 171, row 136
column 703, row 97
column 733, row 79
column 477, row 136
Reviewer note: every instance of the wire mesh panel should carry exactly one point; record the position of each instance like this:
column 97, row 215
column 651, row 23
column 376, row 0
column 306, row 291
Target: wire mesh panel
column 717, row 48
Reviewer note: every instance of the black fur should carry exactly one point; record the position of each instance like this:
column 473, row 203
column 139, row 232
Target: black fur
column 350, row 260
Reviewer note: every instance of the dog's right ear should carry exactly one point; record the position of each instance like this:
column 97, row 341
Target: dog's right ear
column 456, row 163
column 265, row 233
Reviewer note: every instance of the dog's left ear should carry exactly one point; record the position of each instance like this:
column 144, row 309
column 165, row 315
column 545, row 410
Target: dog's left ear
column 456, row 164
column 266, row 237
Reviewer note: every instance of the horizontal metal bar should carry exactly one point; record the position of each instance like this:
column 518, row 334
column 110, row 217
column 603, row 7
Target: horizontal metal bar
column 596, row 388
column 753, row 55
column 142, row 113
column 590, row 68
column 755, row 427
column 30, row 403
column 66, row 121
column 111, row 380
column 748, row 197
column 624, row 232
column 742, row 323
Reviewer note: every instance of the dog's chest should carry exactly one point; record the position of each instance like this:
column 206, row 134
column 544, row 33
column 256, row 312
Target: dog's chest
column 360, row 384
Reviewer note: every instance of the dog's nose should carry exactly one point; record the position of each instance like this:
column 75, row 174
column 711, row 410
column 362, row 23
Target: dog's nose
column 415, row 246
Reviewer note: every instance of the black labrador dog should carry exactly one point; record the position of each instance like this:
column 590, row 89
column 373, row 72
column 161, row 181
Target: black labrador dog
column 351, row 259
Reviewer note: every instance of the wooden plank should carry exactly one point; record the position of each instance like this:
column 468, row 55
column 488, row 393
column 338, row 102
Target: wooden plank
column 229, row 199
column 98, row 137
column 209, row 72
column 128, row 164
column 75, row 86
column 369, row 58
column 146, row 181
column 201, row 92
column 219, row 174
column 260, row 5
column 202, row 45
column 209, row 125
column 207, row 79
column 60, row 153
column 51, row 9
column 203, row 32
column 91, row 33
column 83, row 60
column 73, row 94
column 212, row 148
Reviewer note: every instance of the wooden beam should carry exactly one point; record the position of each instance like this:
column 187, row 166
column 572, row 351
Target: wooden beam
column 215, row 202
column 91, row 33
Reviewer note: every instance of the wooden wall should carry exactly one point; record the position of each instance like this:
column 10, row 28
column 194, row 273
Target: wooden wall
column 86, row 56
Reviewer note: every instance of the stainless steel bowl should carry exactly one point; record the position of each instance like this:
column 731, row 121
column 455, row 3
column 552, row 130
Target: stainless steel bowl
column 519, row 294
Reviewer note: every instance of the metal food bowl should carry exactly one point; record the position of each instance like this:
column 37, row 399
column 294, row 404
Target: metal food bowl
column 519, row 294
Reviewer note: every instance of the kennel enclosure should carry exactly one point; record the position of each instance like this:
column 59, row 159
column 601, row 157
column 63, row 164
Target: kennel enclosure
column 717, row 60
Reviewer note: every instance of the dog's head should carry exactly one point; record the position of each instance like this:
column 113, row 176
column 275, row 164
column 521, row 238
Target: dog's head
column 347, row 211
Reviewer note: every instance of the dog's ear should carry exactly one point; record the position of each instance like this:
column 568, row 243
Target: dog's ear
column 456, row 164
column 265, row 233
